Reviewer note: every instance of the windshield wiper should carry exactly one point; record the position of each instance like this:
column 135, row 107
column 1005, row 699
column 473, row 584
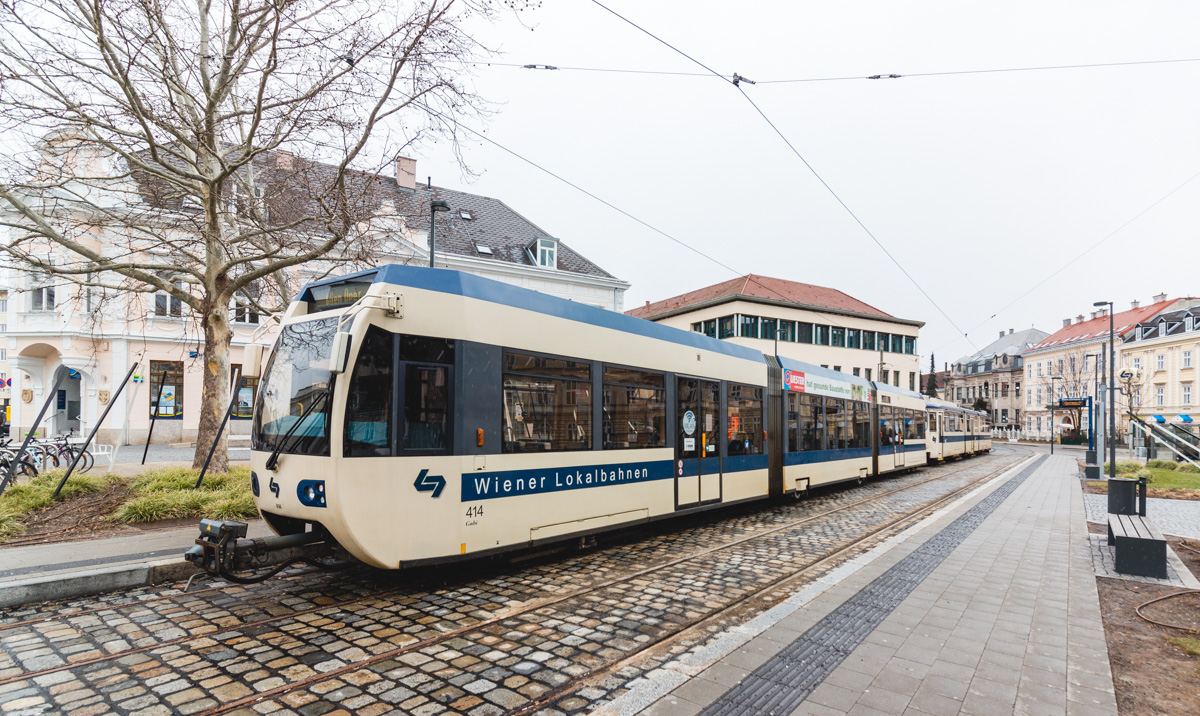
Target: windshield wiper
column 273, row 460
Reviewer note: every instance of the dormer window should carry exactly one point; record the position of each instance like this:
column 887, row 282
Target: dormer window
column 544, row 252
column 483, row 250
column 465, row 215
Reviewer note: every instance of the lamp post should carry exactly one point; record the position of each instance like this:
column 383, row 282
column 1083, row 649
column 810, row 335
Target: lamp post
column 434, row 208
column 1053, row 397
column 1112, row 395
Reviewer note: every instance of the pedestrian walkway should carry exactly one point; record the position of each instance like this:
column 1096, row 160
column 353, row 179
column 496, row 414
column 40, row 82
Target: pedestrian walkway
column 989, row 608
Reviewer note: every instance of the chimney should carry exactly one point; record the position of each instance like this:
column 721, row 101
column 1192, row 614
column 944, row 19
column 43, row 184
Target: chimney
column 1159, row 298
column 1066, row 322
column 1001, row 334
column 647, row 304
column 1010, row 331
column 1079, row 318
column 1134, row 304
column 406, row 173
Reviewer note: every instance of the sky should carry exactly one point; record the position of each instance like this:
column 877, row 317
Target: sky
column 1013, row 199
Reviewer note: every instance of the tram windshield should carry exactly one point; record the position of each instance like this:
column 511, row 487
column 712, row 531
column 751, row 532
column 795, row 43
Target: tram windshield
column 294, row 390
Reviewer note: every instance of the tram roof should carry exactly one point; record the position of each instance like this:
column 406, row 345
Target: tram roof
column 458, row 283
column 952, row 408
column 895, row 390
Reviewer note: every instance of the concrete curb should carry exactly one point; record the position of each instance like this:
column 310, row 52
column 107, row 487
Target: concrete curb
column 93, row 581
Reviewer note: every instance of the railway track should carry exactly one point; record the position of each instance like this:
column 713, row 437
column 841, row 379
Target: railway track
column 494, row 616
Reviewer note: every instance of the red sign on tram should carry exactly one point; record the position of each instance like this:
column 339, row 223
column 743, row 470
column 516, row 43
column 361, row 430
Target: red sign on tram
column 793, row 380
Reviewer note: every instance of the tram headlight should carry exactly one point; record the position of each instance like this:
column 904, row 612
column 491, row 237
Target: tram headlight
column 311, row 493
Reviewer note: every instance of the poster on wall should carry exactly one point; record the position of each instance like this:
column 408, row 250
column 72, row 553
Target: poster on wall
column 244, row 402
column 166, row 403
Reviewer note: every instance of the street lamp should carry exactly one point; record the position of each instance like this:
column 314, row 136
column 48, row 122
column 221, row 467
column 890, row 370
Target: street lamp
column 434, row 208
column 1112, row 394
column 1053, row 397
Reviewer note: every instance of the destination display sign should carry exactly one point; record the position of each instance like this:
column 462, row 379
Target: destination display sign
column 337, row 295
column 1073, row 403
column 801, row 382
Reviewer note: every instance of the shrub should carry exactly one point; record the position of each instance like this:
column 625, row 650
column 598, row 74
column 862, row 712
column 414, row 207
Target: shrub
column 1162, row 464
column 167, row 494
column 25, row 497
column 1125, row 467
column 1187, row 467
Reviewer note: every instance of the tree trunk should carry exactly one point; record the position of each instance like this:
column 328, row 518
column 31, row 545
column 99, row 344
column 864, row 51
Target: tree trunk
column 217, row 336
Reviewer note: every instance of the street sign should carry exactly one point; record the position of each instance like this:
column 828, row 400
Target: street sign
column 1126, row 375
column 1073, row 402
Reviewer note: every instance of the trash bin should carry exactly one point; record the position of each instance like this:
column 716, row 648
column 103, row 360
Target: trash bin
column 1122, row 497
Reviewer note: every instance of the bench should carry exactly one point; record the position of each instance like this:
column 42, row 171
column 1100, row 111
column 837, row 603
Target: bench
column 1141, row 549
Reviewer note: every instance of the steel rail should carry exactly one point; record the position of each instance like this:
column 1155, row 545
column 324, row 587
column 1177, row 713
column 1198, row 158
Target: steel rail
column 252, row 699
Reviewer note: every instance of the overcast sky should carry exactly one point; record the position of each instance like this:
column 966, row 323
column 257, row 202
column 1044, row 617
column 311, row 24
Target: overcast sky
column 982, row 186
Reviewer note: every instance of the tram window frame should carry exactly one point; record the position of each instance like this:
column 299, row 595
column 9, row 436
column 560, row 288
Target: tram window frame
column 385, row 368
column 911, row 426
column 570, row 378
column 621, row 378
column 886, row 427
column 812, row 423
column 793, row 420
column 835, row 424
column 744, row 419
column 862, row 425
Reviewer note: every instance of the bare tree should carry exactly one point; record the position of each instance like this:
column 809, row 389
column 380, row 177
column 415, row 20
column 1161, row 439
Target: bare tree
column 1070, row 375
column 198, row 149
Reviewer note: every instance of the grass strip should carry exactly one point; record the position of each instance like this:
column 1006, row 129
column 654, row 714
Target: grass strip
column 23, row 498
column 167, row 494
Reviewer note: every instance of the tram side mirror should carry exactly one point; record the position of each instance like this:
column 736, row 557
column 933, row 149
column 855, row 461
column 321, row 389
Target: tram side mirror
column 340, row 353
column 252, row 361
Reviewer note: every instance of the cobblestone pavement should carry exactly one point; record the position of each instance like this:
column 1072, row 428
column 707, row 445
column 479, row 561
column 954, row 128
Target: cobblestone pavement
column 478, row 638
column 1174, row 517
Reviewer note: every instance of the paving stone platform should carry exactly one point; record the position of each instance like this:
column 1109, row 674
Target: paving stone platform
column 1006, row 621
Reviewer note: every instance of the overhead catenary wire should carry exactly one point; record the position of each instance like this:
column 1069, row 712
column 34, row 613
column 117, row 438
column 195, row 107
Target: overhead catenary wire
column 839, row 78
column 811, row 169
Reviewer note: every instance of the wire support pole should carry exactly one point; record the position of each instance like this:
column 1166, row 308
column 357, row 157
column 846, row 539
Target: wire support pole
column 12, row 468
column 79, row 455
column 154, row 415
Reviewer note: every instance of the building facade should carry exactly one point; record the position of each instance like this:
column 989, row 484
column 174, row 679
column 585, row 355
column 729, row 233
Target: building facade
column 818, row 325
column 1071, row 363
column 990, row 379
column 1160, row 359
column 91, row 338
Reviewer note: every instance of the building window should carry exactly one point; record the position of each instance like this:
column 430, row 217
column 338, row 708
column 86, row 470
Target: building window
column 821, row 335
column 853, row 338
column 912, row 381
column 545, row 253
column 769, row 328
column 1160, row 362
column 1187, row 393
column 1060, row 366
column 1160, row 396
column 958, row 393
column 787, row 331
column 896, row 378
column 1137, row 397
column 242, row 313
column 804, row 332
column 42, row 299
column 1039, row 396
column 4, row 303
column 837, row 368
column 725, row 327
column 856, row 372
column 3, row 354
column 748, row 326
column 167, row 404
column 1187, row 359
column 868, row 340
column 168, row 305
column 837, row 337
column 1137, row 363
column 910, row 345
column 1028, row 399
column 1039, row 369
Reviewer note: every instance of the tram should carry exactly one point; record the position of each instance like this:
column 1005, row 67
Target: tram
column 955, row 431
column 414, row 415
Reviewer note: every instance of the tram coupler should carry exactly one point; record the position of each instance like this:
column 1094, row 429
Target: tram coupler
column 223, row 548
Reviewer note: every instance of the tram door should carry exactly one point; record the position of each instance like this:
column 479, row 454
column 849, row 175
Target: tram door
column 698, row 447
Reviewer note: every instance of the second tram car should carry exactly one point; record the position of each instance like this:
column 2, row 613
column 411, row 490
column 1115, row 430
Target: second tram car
column 419, row 415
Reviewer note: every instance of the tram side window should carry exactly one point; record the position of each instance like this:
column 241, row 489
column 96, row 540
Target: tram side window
column 812, row 422
column 635, row 409
column 912, row 429
column 426, row 407
column 919, row 422
column 745, row 419
column 547, row 404
column 887, row 432
column 369, row 402
column 793, row 421
column 862, row 425
column 835, row 424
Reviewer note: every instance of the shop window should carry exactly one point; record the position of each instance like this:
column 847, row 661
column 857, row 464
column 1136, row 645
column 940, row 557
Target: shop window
column 243, row 408
column 166, row 389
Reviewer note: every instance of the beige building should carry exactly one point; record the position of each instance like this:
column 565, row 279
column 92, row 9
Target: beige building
column 990, row 380
column 91, row 337
column 1071, row 363
column 1160, row 359
column 818, row 325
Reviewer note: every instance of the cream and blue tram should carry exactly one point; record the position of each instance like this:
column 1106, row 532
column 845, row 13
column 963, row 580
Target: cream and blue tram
column 955, row 431
column 420, row 415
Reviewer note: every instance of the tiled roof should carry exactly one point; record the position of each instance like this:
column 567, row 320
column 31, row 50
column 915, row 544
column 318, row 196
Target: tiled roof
column 300, row 190
column 1123, row 322
column 1169, row 323
column 1014, row 344
column 763, row 288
